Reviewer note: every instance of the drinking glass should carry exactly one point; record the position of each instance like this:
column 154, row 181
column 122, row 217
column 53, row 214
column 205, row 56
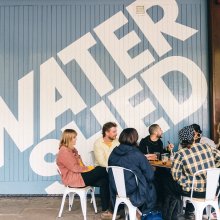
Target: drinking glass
column 164, row 158
column 158, row 155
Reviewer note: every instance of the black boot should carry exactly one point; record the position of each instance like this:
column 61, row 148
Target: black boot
column 189, row 215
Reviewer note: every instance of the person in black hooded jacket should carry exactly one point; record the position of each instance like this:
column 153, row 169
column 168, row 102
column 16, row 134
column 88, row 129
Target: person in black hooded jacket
column 127, row 155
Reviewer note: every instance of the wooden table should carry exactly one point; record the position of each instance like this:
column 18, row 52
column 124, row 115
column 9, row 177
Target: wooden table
column 160, row 164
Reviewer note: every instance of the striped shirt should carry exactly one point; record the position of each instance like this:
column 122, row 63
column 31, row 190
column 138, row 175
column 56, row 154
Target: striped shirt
column 188, row 161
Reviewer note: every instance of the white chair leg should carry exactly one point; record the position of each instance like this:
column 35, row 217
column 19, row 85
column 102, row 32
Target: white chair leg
column 199, row 212
column 83, row 203
column 184, row 203
column 126, row 212
column 62, row 205
column 132, row 213
column 139, row 212
column 71, row 198
column 93, row 190
column 198, row 216
column 115, row 210
column 208, row 211
column 93, row 200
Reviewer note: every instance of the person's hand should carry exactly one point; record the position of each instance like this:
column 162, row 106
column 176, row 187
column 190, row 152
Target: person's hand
column 170, row 147
column 151, row 156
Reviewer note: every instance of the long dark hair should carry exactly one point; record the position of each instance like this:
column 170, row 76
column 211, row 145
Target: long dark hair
column 129, row 136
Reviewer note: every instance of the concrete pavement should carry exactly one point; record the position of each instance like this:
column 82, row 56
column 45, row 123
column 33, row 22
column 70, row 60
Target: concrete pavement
column 43, row 208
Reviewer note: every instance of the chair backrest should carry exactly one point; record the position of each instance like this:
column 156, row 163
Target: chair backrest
column 92, row 158
column 118, row 174
column 212, row 182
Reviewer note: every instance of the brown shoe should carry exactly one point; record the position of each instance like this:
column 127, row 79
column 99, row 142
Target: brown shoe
column 107, row 215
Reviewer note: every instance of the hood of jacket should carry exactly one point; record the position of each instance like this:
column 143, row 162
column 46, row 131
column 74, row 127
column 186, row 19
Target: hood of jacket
column 121, row 151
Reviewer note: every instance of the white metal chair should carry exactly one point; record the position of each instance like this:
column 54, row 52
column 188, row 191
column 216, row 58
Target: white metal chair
column 82, row 193
column 211, row 200
column 121, row 198
column 92, row 162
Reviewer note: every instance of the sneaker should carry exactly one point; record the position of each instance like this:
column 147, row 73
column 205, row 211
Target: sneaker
column 213, row 216
column 189, row 216
column 107, row 215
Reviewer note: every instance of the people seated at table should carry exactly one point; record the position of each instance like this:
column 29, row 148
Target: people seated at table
column 191, row 158
column 128, row 156
column 152, row 143
column 75, row 174
column 104, row 145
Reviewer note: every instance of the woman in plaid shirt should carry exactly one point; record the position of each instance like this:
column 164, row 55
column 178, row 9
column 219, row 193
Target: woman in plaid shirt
column 191, row 158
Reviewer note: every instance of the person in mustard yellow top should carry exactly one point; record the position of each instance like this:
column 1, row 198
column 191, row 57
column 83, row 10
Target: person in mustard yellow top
column 105, row 144
column 75, row 174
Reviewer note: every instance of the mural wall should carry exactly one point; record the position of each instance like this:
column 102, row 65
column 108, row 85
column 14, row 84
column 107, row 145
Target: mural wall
column 78, row 64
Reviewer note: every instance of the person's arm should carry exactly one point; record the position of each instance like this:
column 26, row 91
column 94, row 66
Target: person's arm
column 177, row 167
column 146, row 168
column 81, row 161
column 216, row 155
column 205, row 140
column 151, row 156
column 66, row 159
column 100, row 156
column 142, row 147
column 168, row 148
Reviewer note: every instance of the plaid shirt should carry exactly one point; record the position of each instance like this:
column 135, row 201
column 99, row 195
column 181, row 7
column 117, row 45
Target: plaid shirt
column 188, row 161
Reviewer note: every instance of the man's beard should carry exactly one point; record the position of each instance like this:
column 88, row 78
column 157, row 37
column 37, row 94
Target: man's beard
column 159, row 136
column 112, row 138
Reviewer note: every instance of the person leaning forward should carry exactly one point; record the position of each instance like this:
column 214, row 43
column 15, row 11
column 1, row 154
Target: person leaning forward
column 191, row 158
column 152, row 143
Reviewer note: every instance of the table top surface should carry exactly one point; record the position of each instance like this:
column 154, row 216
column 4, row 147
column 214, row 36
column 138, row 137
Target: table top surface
column 160, row 164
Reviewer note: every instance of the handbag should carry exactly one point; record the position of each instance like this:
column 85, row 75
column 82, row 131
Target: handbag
column 154, row 215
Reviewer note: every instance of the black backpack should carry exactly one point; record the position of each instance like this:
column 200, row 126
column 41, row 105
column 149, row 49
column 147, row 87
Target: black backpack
column 172, row 208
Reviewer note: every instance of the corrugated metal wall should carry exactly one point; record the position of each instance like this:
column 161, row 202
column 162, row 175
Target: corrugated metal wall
column 82, row 63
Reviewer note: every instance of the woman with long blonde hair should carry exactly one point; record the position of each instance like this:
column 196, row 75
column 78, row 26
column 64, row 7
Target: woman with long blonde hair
column 75, row 174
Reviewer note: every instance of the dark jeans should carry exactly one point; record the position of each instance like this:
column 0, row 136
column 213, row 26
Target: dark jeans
column 99, row 177
column 171, row 187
